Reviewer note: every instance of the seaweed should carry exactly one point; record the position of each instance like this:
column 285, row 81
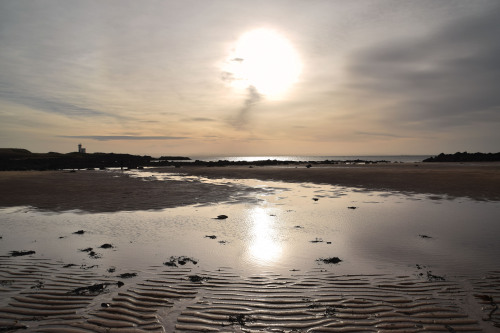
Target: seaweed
column 92, row 290
column 332, row 260
column 127, row 275
column 197, row 278
column 21, row 253
column 174, row 261
column 240, row 319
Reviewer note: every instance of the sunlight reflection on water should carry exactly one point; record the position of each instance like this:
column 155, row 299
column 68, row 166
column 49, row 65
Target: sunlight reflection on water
column 286, row 226
column 264, row 247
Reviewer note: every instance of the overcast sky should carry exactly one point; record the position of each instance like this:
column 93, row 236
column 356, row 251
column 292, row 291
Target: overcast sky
column 155, row 77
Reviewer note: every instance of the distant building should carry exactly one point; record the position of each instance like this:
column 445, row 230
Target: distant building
column 81, row 149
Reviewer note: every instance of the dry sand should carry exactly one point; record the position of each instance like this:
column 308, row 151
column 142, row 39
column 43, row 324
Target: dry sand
column 42, row 295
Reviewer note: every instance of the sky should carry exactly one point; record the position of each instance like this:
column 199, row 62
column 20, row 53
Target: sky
column 241, row 77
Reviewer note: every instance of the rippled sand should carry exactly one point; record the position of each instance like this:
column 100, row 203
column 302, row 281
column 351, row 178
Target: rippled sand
column 196, row 254
column 41, row 298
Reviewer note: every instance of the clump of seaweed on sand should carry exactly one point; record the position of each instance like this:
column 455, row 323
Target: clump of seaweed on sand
column 332, row 260
column 180, row 261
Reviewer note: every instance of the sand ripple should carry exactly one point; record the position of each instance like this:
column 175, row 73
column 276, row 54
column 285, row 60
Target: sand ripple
column 37, row 297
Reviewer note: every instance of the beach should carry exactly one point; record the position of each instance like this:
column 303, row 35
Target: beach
column 408, row 247
column 99, row 191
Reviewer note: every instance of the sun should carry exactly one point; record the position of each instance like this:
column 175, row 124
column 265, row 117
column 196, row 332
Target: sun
column 265, row 60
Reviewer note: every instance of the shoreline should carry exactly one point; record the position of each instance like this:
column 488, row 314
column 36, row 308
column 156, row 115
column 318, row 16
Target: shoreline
column 108, row 191
column 478, row 181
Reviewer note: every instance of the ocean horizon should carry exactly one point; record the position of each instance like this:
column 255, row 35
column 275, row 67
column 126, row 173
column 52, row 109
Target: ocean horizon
column 317, row 158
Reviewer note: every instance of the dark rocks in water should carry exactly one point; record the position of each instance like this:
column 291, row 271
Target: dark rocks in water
column 69, row 265
column 221, row 217
column 88, row 249
column 111, row 270
column 352, row 207
column 79, row 232
column 211, row 236
column 315, row 199
column 105, row 305
column 21, row 253
column 332, row 260
column 120, row 284
column 424, row 236
column 465, row 157
column 308, row 166
column 106, row 246
column 127, row 275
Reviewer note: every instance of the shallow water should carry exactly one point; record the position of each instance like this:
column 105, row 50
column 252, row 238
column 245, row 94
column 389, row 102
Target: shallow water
column 283, row 227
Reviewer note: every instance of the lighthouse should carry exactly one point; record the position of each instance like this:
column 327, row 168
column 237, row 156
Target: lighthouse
column 81, row 149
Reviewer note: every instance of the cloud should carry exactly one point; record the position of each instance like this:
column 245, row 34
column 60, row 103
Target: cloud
column 53, row 105
column 379, row 134
column 201, row 119
column 449, row 78
column 122, row 137
column 253, row 97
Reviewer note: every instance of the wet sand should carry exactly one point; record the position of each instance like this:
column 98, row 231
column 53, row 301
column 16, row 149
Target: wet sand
column 39, row 294
column 46, row 296
column 99, row 191
column 480, row 181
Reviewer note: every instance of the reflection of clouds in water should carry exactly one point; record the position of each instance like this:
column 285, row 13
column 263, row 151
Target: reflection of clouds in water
column 264, row 248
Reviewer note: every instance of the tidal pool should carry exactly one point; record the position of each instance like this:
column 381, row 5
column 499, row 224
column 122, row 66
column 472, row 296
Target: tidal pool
column 273, row 227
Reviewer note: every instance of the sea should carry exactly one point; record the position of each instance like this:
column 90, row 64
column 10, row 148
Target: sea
column 304, row 158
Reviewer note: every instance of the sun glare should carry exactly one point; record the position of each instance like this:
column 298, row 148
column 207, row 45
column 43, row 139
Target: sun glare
column 264, row 247
column 265, row 60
